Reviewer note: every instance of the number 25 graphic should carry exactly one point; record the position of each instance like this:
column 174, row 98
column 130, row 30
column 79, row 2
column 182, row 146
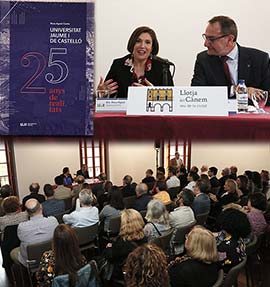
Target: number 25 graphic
column 40, row 59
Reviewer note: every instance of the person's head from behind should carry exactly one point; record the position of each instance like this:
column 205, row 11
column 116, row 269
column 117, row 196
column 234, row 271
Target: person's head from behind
column 202, row 186
column 34, row 188
column 149, row 172
column 257, row 200
column 220, row 35
column 80, row 179
column 265, row 176
column 6, row 191
column 157, row 212
column 48, row 190
column 86, row 197
column 161, row 186
column 194, row 169
column 212, row 171
column 235, row 223
column 233, row 169
column 116, row 198
column 225, row 171
column 192, row 176
column 141, row 189
column 204, row 168
column 230, row 186
column 59, row 180
column 127, row 180
column 68, row 258
column 143, row 43
column 132, row 225
column 201, row 245
column 146, row 266
column 33, row 207
column 11, row 204
column 171, row 171
column 256, row 178
column 185, row 197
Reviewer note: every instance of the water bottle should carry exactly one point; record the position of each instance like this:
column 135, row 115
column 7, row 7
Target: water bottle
column 242, row 97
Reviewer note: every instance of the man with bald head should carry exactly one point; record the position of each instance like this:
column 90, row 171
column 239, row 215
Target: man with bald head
column 34, row 193
column 142, row 197
column 37, row 229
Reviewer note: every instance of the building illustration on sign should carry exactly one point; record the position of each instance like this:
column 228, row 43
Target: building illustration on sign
column 158, row 97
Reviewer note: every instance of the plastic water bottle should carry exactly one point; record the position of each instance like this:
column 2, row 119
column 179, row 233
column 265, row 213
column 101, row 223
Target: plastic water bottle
column 242, row 97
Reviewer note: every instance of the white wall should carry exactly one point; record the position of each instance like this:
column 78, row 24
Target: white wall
column 252, row 156
column 130, row 158
column 179, row 25
column 41, row 159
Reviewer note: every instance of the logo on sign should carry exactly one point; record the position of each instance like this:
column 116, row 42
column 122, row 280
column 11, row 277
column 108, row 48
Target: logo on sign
column 159, row 99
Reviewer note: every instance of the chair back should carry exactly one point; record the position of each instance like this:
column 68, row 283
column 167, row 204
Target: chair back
column 34, row 253
column 232, row 276
column 129, row 200
column 219, row 279
column 143, row 213
column 114, row 225
column 173, row 192
column 170, row 207
column 68, row 203
column 164, row 241
column 201, row 218
column 87, row 236
column 59, row 216
column 86, row 278
column 252, row 246
column 215, row 190
column 10, row 241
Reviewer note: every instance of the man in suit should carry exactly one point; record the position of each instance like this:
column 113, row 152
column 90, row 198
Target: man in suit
column 201, row 203
column 249, row 64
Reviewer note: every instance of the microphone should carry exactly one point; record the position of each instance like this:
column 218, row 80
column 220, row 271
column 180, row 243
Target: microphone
column 163, row 61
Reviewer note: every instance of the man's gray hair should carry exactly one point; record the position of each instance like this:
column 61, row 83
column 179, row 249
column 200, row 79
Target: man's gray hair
column 141, row 188
column 86, row 197
column 157, row 212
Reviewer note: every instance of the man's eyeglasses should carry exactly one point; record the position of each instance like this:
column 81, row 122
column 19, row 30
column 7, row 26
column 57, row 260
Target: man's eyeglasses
column 212, row 39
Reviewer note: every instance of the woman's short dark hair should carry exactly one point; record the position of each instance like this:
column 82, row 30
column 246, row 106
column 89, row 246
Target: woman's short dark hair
column 68, row 258
column 116, row 198
column 234, row 222
column 11, row 204
column 135, row 35
column 6, row 191
column 258, row 200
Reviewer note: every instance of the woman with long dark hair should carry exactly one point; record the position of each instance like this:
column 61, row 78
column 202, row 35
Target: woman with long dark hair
column 64, row 258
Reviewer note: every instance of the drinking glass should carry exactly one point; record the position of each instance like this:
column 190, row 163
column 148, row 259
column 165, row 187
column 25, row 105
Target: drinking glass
column 259, row 104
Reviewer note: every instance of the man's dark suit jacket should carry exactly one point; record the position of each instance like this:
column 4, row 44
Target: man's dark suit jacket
column 141, row 202
column 120, row 73
column 253, row 67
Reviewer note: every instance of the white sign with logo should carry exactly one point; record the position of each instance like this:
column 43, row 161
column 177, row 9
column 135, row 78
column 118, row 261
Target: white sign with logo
column 111, row 105
column 186, row 101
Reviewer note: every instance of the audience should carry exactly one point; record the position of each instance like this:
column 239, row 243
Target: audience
column 225, row 175
column 79, row 180
column 34, row 189
column 201, row 203
column 162, row 194
column 157, row 220
column 182, row 175
column 87, row 215
column 113, row 208
column 183, row 215
column 192, row 178
column 61, row 191
column 143, row 197
column 51, row 206
column 199, row 266
column 173, row 180
column 146, row 266
column 149, row 180
column 64, row 258
column 128, row 187
column 233, row 172
column 204, row 169
column 160, row 173
column 5, row 191
column 13, row 214
column 212, row 173
column 257, row 181
column 265, row 181
column 37, row 229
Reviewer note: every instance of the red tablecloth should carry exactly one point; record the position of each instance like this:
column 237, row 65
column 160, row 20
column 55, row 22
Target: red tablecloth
column 118, row 126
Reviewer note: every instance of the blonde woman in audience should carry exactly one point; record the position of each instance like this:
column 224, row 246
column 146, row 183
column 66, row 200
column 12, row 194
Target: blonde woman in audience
column 199, row 266
column 157, row 220
column 146, row 267
column 130, row 237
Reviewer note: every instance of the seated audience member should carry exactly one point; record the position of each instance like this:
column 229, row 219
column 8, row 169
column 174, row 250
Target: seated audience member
column 98, row 187
column 162, row 194
column 230, row 244
column 265, row 181
column 199, row 266
column 176, row 162
column 128, row 187
column 137, row 68
column 157, row 220
column 35, row 230
column 102, row 195
column 5, row 191
column 192, row 178
column 51, row 206
column 67, row 178
column 113, row 208
column 149, row 180
column 255, row 208
column 242, row 184
column 204, row 169
column 13, row 214
column 34, row 189
column 61, row 191
column 64, row 258
column 182, row 175
column 250, row 186
column 173, row 180
column 83, row 171
column 212, row 173
column 195, row 169
column 87, row 215
column 257, row 181
column 201, row 203
column 160, row 173
column 131, row 236
column 233, row 172
column 77, row 188
column 183, row 215
column 143, row 197
column 146, row 266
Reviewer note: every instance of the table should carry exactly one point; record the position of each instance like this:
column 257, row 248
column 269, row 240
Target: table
column 118, row 126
